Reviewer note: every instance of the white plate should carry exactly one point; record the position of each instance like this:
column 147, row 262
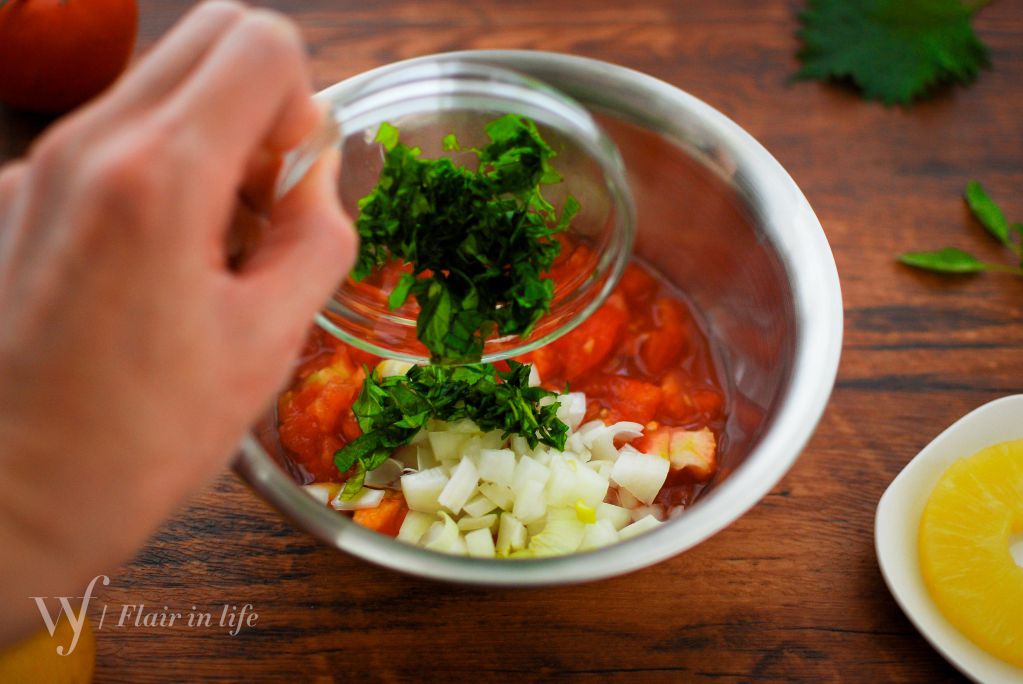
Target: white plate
column 898, row 520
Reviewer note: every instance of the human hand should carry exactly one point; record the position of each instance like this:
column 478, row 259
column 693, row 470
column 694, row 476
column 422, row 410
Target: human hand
column 132, row 356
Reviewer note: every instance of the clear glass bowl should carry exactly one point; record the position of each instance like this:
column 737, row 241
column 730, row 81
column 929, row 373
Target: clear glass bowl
column 427, row 101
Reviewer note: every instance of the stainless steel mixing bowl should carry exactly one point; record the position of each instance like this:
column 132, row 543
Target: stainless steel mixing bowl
column 720, row 217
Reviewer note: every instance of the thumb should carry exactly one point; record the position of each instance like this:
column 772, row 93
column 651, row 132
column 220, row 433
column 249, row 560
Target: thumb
column 308, row 250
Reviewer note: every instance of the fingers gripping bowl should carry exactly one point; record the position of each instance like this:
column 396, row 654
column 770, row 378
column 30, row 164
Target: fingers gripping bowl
column 720, row 219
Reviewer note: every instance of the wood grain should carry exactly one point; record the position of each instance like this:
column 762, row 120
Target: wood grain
column 790, row 592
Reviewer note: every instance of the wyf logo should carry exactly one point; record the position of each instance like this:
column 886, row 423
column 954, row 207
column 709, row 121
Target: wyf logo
column 77, row 620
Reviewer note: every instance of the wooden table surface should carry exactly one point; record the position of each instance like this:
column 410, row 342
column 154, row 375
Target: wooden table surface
column 790, row 592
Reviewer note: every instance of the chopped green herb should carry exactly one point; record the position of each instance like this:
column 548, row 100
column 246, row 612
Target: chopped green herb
column 479, row 240
column 393, row 409
column 892, row 50
column 953, row 260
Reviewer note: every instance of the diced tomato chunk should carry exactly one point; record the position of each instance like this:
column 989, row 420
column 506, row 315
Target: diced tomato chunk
column 571, row 267
column 637, row 284
column 387, row 517
column 710, row 402
column 665, row 344
column 625, row 398
column 678, row 404
column 694, row 451
column 350, row 426
column 592, row 342
column 362, row 358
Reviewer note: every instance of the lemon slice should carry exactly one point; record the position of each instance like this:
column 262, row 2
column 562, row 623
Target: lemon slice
column 36, row 659
column 968, row 524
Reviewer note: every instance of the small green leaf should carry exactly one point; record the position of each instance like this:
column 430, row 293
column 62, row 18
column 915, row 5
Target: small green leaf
column 401, row 291
column 353, row 485
column 450, row 143
column 387, row 135
column 948, row 260
column 988, row 213
column 893, row 50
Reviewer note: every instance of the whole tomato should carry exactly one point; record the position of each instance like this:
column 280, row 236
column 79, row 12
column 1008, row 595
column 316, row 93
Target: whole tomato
column 56, row 54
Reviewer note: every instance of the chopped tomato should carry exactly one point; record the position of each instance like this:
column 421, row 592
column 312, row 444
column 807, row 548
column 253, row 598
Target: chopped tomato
column 387, row 517
column 665, row 344
column 708, row 401
column 568, row 269
column 350, row 426
column 625, row 398
column 362, row 358
column 678, row 404
column 694, row 451
column 547, row 363
column 586, row 347
column 637, row 284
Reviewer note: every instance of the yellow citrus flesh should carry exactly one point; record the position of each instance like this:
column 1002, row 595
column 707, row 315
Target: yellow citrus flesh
column 965, row 532
column 36, row 659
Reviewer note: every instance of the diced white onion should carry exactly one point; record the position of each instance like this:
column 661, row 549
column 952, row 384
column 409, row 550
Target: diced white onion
column 483, row 522
column 572, row 408
column 511, row 534
column 480, row 544
column 461, row 486
column 642, row 475
column 643, row 511
column 322, row 491
column 638, row 527
column 562, row 534
column 530, row 503
column 386, row 475
column 422, row 489
column 502, row 496
column 479, row 505
column 616, row 515
column 447, row 446
column 528, row 470
column 415, row 526
column 365, row 498
column 601, row 533
column 389, row 367
column 446, row 539
column 497, row 466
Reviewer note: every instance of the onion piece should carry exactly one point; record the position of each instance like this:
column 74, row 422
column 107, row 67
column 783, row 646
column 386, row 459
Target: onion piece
column 511, row 534
column 639, row 527
column 445, row 537
column 386, row 475
column 478, row 506
column 642, row 475
column 480, row 544
column 483, row 522
column 562, row 534
column 502, row 496
column 616, row 515
column 497, row 466
column 415, row 526
column 322, row 491
column 460, row 487
column 601, row 533
column 572, row 408
column 530, row 503
column 422, row 489
column 365, row 498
